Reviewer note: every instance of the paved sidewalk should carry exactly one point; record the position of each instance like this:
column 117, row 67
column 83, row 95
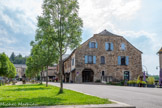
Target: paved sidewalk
column 116, row 105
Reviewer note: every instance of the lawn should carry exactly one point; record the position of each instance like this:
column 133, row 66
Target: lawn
column 39, row 95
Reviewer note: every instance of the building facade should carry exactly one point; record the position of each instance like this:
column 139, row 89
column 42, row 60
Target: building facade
column 160, row 63
column 52, row 73
column 103, row 57
column 20, row 69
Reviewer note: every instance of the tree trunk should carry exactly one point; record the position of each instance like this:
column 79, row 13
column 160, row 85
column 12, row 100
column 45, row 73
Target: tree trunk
column 61, row 73
column 41, row 79
column 47, row 77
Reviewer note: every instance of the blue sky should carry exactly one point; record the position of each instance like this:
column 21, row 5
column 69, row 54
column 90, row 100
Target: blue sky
column 139, row 21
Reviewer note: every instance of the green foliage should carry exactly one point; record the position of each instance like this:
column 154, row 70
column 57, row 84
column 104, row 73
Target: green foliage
column 138, row 80
column 19, row 59
column 7, row 69
column 38, row 95
column 132, row 82
column 156, row 77
column 59, row 28
column 143, row 82
column 151, row 80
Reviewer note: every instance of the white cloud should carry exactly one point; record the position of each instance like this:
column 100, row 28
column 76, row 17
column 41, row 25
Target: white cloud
column 9, row 50
column 5, row 38
column 29, row 10
column 98, row 14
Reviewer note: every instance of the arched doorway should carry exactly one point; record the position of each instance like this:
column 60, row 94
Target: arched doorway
column 87, row 75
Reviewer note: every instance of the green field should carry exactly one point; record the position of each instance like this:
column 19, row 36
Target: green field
column 39, row 95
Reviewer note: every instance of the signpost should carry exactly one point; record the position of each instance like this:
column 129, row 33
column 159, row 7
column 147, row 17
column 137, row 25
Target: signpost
column 144, row 76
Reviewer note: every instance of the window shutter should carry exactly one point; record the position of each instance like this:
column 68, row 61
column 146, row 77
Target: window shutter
column 112, row 46
column 86, row 59
column 123, row 46
column 119, row 60
column 127, row 60
column 96, row 45
column 106, row 46
column 94, row 59
column 89, row 44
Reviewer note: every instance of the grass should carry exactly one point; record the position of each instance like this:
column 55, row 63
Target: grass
column 39, row 95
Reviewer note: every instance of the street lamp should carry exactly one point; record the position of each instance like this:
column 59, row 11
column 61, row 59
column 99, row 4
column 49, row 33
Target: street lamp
column 145, row 69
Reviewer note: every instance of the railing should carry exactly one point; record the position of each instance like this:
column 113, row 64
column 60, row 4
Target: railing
column 106, row 79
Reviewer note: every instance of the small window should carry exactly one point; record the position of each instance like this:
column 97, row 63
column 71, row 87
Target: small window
column 73, row 62
column 122, row 47
column 123, row 60
column 109, row 46
column 103, row 73
column 93, row 44
column 102, row 60
column 90, row 59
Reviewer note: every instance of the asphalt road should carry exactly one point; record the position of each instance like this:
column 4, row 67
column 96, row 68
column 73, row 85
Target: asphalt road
column 139, row 97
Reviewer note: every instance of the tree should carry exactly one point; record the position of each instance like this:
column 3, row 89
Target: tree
column 45, row 48
column 7, row 69
column 66, row 26
column 32, row 68
column 19, row 59
column 4, row 67
column 12, row 57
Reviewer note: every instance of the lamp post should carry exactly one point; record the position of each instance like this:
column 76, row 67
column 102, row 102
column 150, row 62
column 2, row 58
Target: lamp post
column 144, row 73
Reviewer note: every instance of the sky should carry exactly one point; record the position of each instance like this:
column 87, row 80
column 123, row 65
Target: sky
column 139, row 21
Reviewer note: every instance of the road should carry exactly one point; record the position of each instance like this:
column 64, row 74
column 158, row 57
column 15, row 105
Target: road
column 139, row 97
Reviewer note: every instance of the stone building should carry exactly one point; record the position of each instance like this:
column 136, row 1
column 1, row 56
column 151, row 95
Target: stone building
column 20, row 69
column 160, row 63
column 104, row 57
column 52, row 73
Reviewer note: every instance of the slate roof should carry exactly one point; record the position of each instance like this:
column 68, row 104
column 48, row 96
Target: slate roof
column 160, row 51
column 20, row 65
column 105, row 33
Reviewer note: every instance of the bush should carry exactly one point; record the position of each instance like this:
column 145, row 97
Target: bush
column 122, row 83
column 143, row 82
column 151, row 81
column 131, row 82
column 98, row 81
column 114, row 83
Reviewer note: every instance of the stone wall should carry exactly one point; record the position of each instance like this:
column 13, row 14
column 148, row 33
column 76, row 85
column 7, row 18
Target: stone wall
column 111, row 67
column 160, row 58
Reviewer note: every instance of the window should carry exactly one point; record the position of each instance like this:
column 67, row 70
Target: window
column 72, row 61
column 103, row 73
column 90, row 59
column 93, row 45
column 122, row 47
column 109, row 46
column 123, row 60
column 102, row 60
